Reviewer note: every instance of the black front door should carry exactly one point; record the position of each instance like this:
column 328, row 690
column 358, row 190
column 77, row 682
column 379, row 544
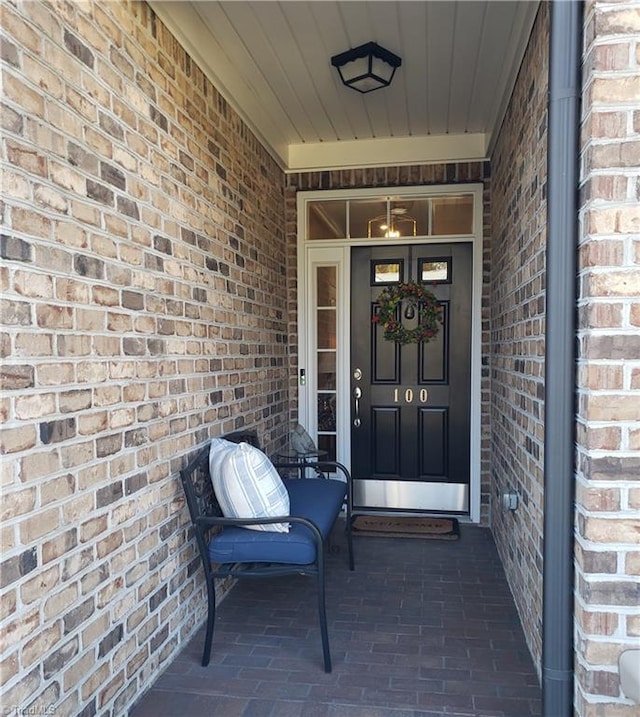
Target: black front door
column 410, row 404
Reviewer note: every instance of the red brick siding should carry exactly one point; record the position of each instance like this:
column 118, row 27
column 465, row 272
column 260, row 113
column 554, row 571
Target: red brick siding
column 518, row 239
column 144, row 299
column 607, row 590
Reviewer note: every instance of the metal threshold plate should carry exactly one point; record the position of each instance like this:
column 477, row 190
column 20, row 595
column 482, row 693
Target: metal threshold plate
column 410, row 495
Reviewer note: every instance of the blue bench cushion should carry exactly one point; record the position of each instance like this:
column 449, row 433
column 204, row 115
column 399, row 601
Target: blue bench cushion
column 316, row 499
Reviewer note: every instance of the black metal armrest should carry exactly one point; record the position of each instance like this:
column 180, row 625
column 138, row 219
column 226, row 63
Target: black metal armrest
column 319, row 466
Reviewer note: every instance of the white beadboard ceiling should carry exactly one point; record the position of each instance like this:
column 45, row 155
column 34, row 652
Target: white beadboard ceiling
column 271, row 61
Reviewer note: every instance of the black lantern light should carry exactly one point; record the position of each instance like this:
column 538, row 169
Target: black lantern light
column 367, row 67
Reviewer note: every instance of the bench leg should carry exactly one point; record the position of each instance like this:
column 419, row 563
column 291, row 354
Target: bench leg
column 211, row 618
column 322, row 613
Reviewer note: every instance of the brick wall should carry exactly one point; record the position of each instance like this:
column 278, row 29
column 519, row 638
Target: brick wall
column 401, row 176
column 518, row 241
column 144, row 286
column 607, row 591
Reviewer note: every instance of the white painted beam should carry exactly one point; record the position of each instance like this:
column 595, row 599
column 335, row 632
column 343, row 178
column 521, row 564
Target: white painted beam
column 386, row 152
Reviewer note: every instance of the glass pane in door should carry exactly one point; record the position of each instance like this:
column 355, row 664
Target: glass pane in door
column 326, row 283
column 327, row 412
column 326, row 353
column 326, row 328
column 327, row 370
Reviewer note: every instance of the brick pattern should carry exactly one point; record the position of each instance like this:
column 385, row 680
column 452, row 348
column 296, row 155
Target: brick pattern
column 148, row 293
column 518, row 218
column 607, row 591
column 401, row 176
column 440, row 638
column 144, row 297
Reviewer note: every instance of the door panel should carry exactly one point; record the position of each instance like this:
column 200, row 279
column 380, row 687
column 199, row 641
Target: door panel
column 434, row 443
column 384, row 364
column 411, row 443
column 434, row 360
column 386, row 424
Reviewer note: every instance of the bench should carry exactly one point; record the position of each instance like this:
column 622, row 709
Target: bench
column 229, row 548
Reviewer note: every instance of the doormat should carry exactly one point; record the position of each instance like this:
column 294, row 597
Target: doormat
column 403, row 526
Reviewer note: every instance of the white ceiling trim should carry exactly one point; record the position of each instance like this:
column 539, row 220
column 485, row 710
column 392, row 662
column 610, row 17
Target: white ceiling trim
column 385, row 152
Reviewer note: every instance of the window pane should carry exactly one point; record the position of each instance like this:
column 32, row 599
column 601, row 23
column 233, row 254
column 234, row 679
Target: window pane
column 326, row 412
column 328, row 443
column 453, row 215
column 326, row 329
column 436, row 270
column 326, row 282
column 327, row 220
column 409, row 218
column 366, row 217
column 389, row 273
column 327, row 370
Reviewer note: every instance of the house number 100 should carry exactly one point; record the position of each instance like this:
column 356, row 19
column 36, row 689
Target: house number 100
column 408, row 395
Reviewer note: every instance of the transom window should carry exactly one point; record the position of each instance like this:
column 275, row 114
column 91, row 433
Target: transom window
column 390, row 217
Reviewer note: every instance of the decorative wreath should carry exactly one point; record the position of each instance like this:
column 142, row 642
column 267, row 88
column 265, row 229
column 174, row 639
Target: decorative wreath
column 414, row 296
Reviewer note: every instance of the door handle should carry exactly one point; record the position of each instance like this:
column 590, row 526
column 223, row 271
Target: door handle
column 357, row 394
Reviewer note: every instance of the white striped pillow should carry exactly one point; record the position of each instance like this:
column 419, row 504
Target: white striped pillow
column 218, row 449
column 248, row 486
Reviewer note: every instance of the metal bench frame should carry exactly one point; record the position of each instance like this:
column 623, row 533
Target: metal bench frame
column 206, row 517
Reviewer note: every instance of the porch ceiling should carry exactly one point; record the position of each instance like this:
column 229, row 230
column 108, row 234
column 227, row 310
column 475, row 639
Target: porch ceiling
column 271, row 60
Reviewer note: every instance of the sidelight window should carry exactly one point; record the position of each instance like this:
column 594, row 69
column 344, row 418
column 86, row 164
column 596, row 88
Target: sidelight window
column 326, row 347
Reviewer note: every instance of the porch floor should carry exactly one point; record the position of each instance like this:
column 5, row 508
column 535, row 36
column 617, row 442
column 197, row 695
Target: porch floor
column 422, row 627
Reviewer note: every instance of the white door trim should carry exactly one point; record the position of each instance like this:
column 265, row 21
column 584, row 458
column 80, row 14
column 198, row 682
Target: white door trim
column 336, row 252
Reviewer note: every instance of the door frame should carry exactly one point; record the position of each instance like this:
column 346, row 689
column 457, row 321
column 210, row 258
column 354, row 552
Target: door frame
column 337, row 252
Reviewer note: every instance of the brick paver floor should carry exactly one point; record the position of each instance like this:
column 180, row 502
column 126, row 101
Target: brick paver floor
column 422, row 627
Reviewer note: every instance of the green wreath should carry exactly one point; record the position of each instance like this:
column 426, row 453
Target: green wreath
column 413, row 295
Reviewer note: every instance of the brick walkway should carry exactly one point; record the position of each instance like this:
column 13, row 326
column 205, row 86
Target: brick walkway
column 422, row 627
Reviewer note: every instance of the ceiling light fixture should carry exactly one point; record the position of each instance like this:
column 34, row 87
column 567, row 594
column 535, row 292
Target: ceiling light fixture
column 367, row 67
column 398, row 219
